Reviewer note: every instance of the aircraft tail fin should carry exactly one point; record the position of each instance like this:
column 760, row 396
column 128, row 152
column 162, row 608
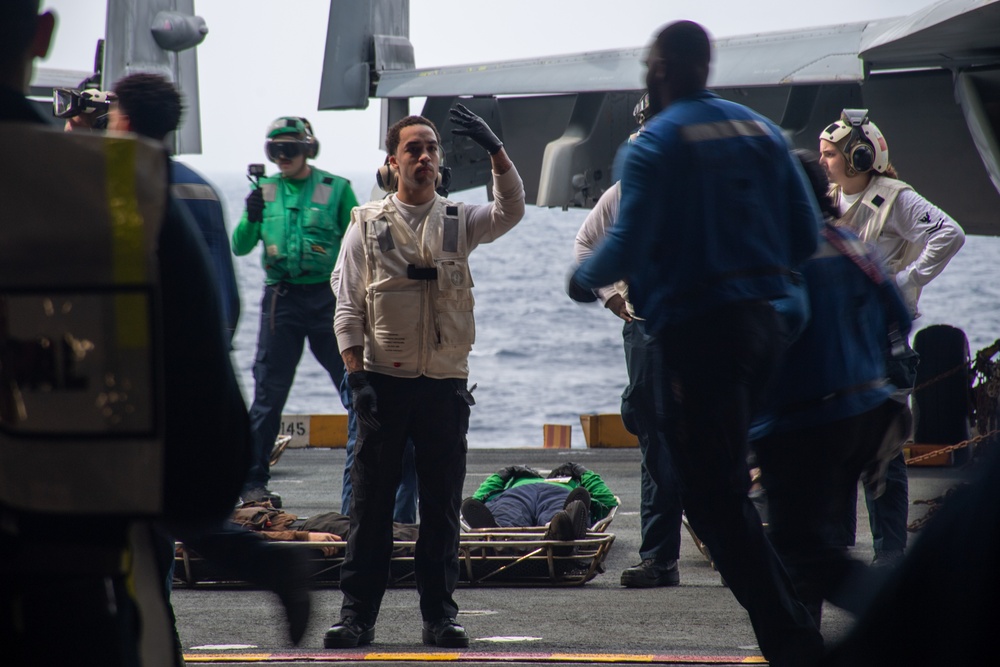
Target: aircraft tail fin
column 364, row 38
column 158, row 36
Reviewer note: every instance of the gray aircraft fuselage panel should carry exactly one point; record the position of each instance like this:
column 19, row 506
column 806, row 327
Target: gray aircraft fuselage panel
column 930, row 79
column 947, row 34
column 129, row 47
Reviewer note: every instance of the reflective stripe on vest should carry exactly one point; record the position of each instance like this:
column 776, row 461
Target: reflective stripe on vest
column 81, row 415
column 723, row 129
column 193, row 191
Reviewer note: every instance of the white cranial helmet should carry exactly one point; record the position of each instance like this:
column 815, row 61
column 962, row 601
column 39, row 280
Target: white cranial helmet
column 859, row 140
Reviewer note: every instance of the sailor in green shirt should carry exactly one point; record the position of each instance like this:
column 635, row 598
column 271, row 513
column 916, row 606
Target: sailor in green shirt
column 299, row 216
column 569, row 500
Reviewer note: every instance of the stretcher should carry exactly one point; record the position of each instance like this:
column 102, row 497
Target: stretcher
column 487, row 557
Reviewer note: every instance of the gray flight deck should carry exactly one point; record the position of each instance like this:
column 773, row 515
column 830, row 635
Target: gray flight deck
column 698, row 622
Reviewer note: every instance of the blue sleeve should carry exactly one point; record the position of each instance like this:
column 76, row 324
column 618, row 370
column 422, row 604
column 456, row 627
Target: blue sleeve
column 805, row 217
column 613, row 259
column 222, row 260
column 205, row 417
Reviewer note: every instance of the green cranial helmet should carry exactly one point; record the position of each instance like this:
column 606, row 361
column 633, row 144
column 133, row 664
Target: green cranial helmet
column 289, row 136
column 288, row 125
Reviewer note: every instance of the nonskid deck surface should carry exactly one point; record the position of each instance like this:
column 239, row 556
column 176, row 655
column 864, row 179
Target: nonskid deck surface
column 698, row 622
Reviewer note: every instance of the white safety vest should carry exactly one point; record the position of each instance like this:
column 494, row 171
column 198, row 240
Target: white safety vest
column 419, row 305
column 81, row 399
column 867, row 218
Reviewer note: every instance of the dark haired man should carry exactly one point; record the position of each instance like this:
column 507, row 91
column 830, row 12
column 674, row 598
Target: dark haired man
column 149, row 105
column 405, row 327
column 714, row 215
column 299, row 216
column 89, row 471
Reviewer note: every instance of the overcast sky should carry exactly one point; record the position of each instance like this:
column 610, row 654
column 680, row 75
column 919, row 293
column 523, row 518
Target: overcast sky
column 262, row 58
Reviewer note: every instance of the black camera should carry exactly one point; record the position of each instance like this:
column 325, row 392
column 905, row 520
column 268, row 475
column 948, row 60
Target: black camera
column 254, row 173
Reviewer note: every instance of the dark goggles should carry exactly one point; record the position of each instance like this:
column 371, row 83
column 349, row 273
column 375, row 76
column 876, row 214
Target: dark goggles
column 284, row 150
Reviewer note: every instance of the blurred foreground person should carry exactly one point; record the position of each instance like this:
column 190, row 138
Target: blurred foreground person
column 660, row 508
column 915, row 240
column 150, row 106
column 830, row 410
column 714, row 216
column 938, row 605
column 121, row 414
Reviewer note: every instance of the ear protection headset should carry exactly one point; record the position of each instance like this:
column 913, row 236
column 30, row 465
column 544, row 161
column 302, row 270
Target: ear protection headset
column 859, row 151
column 313, row 150
column 864, row 147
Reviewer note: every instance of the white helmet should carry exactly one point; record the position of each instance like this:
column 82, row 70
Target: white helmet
column 859, row 140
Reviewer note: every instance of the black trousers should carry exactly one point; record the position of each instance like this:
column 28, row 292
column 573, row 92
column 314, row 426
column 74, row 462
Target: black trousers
column 433, row 414
column 811, row 475
column 715, row 368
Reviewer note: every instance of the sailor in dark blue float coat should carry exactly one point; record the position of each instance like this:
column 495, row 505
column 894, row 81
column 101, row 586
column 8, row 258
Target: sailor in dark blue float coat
column 715, row 214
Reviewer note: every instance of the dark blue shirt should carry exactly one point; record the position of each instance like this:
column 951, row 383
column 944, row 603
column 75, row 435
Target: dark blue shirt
column 203, row 202
column 714, row 210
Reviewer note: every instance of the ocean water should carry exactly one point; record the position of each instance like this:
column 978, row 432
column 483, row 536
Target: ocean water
column 540, row 358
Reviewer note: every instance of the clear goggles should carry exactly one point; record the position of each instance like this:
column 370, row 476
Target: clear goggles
column 284, row 150
column 68, row 102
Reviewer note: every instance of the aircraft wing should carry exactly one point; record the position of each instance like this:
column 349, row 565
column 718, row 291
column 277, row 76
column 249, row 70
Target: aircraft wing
column 947, row 34
column 931, row 81
column 819, row 55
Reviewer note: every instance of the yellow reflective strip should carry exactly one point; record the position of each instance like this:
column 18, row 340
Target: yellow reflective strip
column 132, row 316
column 128, row 251
column 128, row 568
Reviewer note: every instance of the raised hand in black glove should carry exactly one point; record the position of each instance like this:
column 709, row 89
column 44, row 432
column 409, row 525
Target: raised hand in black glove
column 569, row 469
column 475, row 128
column 363, row 399
column 577, row 293
column 508, row 473
column 255, row 206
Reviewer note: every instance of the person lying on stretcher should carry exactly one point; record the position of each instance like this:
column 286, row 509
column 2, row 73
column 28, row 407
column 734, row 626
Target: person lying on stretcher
column 569, row 500
column 274, row 524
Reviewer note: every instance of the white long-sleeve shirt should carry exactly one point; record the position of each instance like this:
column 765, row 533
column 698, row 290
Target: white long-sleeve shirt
column 912, row 218
column 593, row 230
column 484, row 224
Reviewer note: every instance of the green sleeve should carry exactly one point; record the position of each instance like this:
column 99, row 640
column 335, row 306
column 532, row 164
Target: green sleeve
column 246, row 235
column 601, row 498
column 491, row 486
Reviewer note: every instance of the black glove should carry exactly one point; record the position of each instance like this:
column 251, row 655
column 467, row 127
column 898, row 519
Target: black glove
column 569, row 469
column 363, row 399
column 255, row 205
column 577, row 293
column 475, row 129
column 508, row 473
